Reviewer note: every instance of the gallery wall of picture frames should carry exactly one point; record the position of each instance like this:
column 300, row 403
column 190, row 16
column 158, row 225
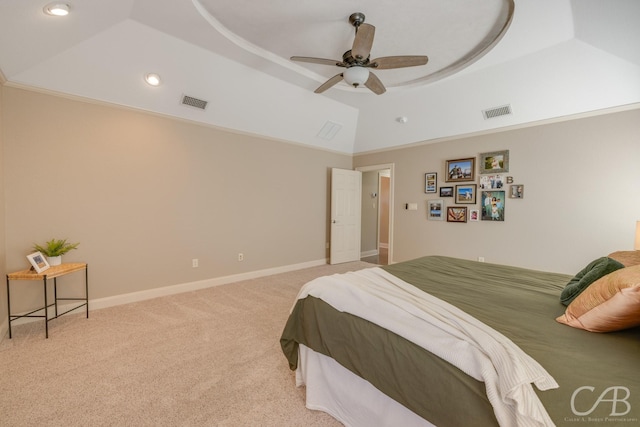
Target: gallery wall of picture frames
column 472, row 200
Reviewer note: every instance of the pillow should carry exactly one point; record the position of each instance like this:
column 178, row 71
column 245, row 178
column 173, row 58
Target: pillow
column 627, row 258
column 611, row 303
column 592, row 272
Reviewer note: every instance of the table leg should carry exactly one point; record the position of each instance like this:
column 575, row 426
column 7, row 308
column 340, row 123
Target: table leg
column 55, row 295
column 86, row 287
column 46, row 310
column 9, row 306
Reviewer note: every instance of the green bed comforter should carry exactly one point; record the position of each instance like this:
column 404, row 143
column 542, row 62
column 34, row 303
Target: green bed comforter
column 598, row 373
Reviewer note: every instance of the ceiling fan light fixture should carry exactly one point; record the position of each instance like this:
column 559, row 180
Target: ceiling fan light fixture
column 57, row 9
column 356, row 76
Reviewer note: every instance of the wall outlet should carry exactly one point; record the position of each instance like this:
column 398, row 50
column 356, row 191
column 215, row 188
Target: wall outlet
column 194, row 262
column 480, row 259
column 240, row 257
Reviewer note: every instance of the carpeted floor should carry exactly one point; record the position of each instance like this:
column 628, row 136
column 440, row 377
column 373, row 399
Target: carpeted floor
column 205, row 358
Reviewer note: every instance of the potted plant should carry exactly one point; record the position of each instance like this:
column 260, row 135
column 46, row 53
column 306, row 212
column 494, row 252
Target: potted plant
column 54, row 249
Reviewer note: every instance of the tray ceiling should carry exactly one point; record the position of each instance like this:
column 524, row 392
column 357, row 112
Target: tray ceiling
column 555, row 58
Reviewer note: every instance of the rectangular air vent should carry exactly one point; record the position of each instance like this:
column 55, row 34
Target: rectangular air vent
column 329, row 130
column 497, row 112
column 194, row 102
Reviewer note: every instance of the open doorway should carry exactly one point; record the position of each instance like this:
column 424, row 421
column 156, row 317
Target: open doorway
column 377, row 215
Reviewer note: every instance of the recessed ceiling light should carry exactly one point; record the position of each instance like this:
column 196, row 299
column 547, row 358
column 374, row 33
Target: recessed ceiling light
column 57, row 9
column 153, row 79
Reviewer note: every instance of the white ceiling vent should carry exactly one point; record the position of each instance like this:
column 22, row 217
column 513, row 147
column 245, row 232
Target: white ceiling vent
column 497, row 112
column 194, row 102
column 329, row 130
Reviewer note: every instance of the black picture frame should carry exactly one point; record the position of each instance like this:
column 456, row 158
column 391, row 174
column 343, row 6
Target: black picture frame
column 493, row 205
column 446, row 191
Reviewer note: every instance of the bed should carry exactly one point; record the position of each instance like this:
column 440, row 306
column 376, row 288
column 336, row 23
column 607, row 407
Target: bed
column 450, row 342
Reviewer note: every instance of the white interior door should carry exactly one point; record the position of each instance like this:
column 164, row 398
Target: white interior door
column 346, row 189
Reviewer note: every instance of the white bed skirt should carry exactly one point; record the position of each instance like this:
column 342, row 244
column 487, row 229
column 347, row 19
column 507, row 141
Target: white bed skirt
column 333, row 389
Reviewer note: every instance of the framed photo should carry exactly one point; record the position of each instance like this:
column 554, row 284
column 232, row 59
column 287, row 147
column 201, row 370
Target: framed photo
column 457, row 214
column 446, row 191
column 492, row 182
column 466, row 194
column 516, row 191
column 460, row 170
column 493, row 205
column 430, row 182
column 38, row 261
column 435, row 210
column 474, row 214
column 494, row 162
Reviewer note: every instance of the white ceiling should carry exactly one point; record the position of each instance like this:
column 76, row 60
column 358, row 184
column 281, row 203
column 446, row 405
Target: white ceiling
column 557, row 58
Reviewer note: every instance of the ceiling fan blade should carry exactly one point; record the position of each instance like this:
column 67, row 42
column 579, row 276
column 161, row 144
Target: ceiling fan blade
column 375, row 84
column 388, row 62
column 329, row 83
column 318, row 61
column 363, row 41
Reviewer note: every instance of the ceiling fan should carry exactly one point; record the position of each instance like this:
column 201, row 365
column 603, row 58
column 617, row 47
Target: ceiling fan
column 357, row 61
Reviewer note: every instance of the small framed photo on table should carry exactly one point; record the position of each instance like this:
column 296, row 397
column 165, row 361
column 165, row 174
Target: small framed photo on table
column 38, row 262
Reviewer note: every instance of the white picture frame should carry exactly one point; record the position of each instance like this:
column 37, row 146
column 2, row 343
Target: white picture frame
column 435, row 210
column 38, row 262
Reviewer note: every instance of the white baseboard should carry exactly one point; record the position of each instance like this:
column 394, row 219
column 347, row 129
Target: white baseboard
column 96, row 304
column 368, row 253
column 194, row 286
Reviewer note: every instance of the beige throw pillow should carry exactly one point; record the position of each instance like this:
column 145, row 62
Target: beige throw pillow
column 611, row 303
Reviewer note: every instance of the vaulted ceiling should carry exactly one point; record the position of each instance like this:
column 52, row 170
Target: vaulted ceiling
column 544, row 59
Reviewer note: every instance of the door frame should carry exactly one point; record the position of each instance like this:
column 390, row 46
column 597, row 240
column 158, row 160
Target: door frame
column 391, row 167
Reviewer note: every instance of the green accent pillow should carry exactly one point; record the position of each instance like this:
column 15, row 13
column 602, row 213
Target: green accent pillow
column 592, row 272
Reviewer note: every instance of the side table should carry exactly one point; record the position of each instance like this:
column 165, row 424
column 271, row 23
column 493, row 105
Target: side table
column 51, row 273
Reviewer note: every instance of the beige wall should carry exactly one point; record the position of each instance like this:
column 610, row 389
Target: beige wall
column 144, row 195
column 581, row 202
column 3, row 252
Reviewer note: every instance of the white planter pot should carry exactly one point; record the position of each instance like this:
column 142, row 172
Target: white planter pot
column 54, row 260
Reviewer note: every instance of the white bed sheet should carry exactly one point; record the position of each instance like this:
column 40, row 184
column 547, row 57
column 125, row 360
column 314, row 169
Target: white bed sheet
column 353, row 401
